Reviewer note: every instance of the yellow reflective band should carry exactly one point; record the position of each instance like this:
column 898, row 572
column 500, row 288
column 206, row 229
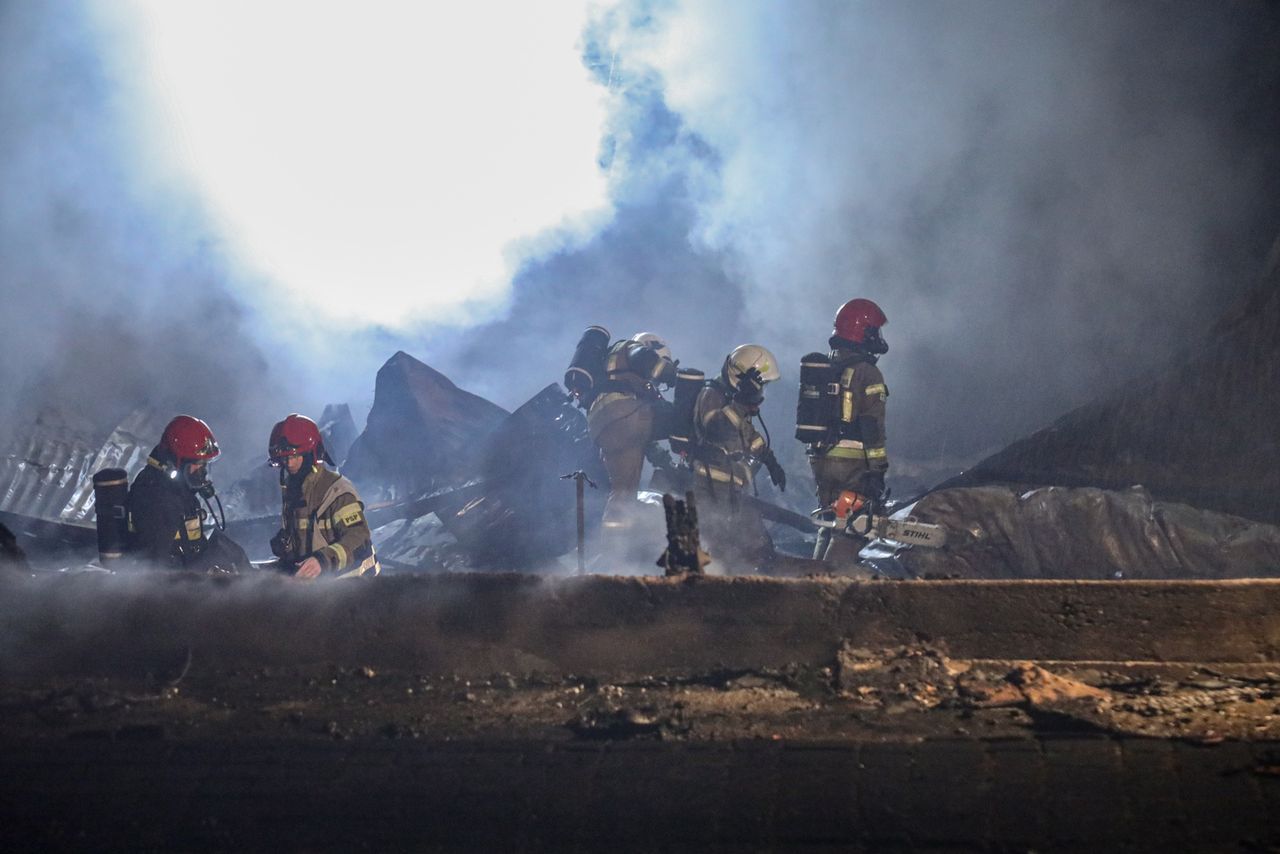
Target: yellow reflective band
column 846, row 396
column 734, row 418
column 369, row 566
column 718, row 474
column 876, row 454
column 877, row 388
column 757, row 444
column 847, row 453
column 304, row 523
column 193, row 529
column 340, row 554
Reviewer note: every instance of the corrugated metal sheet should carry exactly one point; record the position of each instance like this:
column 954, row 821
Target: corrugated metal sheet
column 40, row 472
column 126, row 448
column 48, row 472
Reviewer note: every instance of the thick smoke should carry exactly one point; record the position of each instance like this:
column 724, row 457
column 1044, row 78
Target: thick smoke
column 1046, row 198
column 115, row 294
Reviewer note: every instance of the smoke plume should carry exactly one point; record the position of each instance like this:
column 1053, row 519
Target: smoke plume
column 115, row 290
column 1047, row 199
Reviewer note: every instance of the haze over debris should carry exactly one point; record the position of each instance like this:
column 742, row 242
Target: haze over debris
column 1046, row 198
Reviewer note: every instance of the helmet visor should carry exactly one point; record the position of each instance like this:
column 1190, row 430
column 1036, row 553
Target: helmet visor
column 280, row 451
column 872, row 342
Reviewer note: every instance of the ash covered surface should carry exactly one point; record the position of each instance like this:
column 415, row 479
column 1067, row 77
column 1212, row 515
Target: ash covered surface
column 636, row 714
column 895, row 695
column 477, row 655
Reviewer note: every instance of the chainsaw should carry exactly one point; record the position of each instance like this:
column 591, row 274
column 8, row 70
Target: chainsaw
column 909, row 531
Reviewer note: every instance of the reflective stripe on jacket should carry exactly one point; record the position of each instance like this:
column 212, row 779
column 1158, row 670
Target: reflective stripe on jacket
column 726, row 442
column 863, row 397
column 328, row 523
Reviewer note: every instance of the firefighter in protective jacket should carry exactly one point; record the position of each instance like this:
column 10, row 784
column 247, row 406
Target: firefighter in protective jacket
column 166, row 521
column 727, row 452
column 629, row 416
column 850, row 467
column 323, row 528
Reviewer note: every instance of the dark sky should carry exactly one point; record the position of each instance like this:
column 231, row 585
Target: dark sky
column 1046, row 198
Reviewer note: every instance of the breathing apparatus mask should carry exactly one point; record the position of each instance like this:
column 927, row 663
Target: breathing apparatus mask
column 194, row 475
column 196, row 478
column 749, row 390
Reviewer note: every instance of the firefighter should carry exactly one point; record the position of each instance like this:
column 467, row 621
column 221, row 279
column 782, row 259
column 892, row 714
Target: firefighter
column 323, row 528
column 728, row 451
column 166, row 521
column 629, row 416
column 850, row 470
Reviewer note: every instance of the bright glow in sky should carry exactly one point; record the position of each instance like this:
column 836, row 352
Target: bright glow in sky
column 377, row 160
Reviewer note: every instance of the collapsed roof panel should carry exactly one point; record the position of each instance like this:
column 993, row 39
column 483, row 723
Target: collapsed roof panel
column 1202, row 431
column 423, row 433
column 47, row 472
column 1057, row 532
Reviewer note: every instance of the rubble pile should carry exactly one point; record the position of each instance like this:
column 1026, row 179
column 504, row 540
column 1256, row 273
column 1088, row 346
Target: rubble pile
column 1201, row 703
column 1201, row 432
column 423, row 433
column 524, row 513
column 418, row 545
column 1057, row 532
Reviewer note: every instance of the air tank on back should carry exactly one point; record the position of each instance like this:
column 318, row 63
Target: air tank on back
column 817, row 409
column 110, row 494
column 586, row 370
column 689, row 383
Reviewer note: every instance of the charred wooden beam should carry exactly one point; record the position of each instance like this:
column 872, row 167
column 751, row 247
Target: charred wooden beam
column 684, row 554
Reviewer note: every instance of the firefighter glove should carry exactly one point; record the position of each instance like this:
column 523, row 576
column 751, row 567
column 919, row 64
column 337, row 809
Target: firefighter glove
column 776, row 474
column 281, row 546
column 659, row 458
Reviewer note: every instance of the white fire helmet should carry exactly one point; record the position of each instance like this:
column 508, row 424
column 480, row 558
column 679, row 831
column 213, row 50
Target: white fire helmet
column 746, row 357
column 653, row 342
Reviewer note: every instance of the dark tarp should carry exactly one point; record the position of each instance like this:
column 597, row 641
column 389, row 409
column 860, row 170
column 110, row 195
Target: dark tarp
column 1205, row 431
column 1057, row 532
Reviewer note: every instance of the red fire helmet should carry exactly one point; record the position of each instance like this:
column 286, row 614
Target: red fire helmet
column 854, row 319
column 189, row 440
column 296, row 434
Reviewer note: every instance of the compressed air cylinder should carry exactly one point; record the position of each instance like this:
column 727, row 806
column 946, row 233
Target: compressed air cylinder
column 110, row 493
column 689, row 383
column 818, row 406
column 587, row 368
